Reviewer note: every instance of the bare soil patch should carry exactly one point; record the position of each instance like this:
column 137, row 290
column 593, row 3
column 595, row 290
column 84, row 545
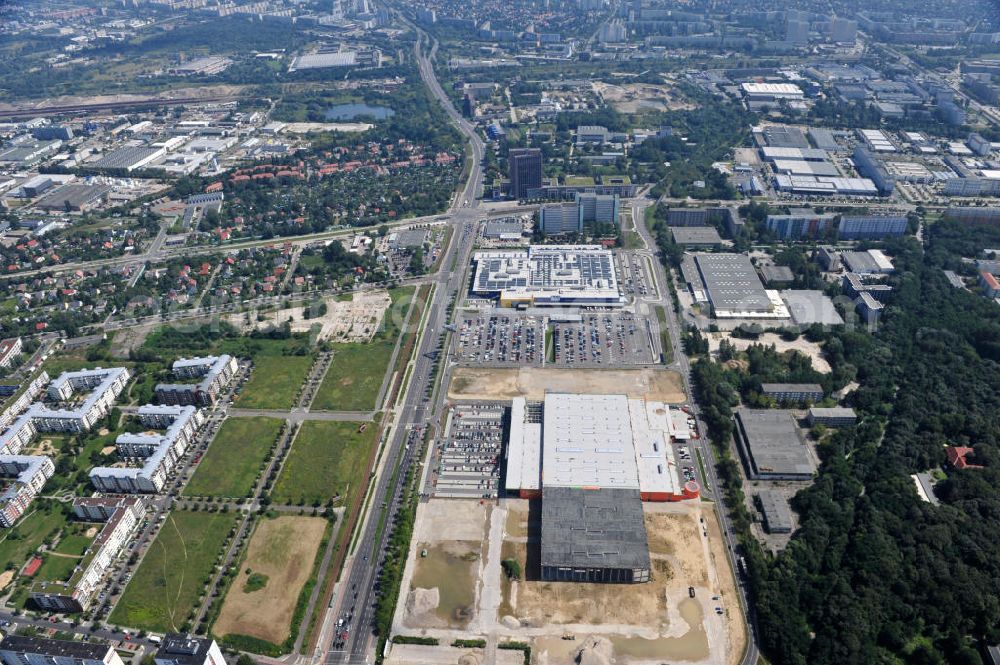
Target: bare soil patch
column 283, row 549
column 477, row 383
column 809, row 349
column 356, row 320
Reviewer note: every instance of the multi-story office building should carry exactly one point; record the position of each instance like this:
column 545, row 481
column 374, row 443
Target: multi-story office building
column 20, row 650
column 525, row 171
column 837, row 416
column 793, row 392
column 801, row 223
column 587, row 209
column 870, row 167
column 869, row 227
column 559, row 219
column 121, row 517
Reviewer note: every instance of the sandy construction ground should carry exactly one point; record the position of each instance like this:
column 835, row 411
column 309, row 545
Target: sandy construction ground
column 345, row 321
column 634, row 97
column 5, row 579
column 506, row 383
column 307, row 127
column 810, row 349
column 409, row 654
column 445, row 560
column 652, row 622
column 284, row 549
column 643, row 624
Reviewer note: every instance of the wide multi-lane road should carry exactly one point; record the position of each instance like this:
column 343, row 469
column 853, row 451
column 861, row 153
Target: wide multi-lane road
column 354, row 604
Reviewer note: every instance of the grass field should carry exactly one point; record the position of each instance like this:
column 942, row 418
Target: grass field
column 274, row 382
column 74, row 544
column 668, row 351
column 29, row 532
column 57, row 568
column 170, row 578
column 234, row 457
column 282, row 551
column 327, row 460
column 355, row 376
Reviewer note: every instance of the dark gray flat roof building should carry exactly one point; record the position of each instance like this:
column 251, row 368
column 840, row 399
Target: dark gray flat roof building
column 777, row 514
column 732, row 284
column 696, row 236
column 593, row 535
column 808, row 306
column 837, row 416
column 793, row 392
column 21, row 650
column 777, row 275
column 770, row 444
column 181, row 649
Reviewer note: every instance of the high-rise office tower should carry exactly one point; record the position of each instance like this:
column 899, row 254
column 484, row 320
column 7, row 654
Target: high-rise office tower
column 525, row 171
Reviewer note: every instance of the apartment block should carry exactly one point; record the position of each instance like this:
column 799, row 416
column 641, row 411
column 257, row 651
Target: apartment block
column 121, row 518
column 155, row 454
column 215, row 373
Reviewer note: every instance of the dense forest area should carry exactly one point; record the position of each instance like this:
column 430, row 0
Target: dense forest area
column 874, row 574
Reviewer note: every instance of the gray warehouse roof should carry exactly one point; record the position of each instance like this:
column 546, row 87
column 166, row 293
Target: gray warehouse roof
column 791, row 388
column 123, row 158
column 72, row 197
column 832, row 412
column 777, row 274
column 496, row 229
column 732, row 283
column 777, row 514
column 593, row 528
column 808, row 307
column 771, row 439
column 696, row 235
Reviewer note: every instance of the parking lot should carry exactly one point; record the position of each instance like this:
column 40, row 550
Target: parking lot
column 633, row 277
column 499, row 338
column 466, row 461
column 603, row 340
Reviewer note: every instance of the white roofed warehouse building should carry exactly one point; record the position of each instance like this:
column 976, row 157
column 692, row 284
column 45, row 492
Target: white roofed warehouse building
column 593, row 460
column 771, row 447
column 589, row 441
column 548, row 275
column 771, row 92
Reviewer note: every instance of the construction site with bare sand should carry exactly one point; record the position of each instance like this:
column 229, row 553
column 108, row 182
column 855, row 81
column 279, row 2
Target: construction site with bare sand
column 455, row 587
column 354, row 318
column 481, row 383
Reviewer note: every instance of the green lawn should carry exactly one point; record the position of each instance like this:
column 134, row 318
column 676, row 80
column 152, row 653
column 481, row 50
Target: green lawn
column 355, row 376
column 170, row 578
column 74, row 544
column 57, row 568
column 328, row 459
column 661, row 319
column 234, row 457
column 29, row 532
column 274, row 382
